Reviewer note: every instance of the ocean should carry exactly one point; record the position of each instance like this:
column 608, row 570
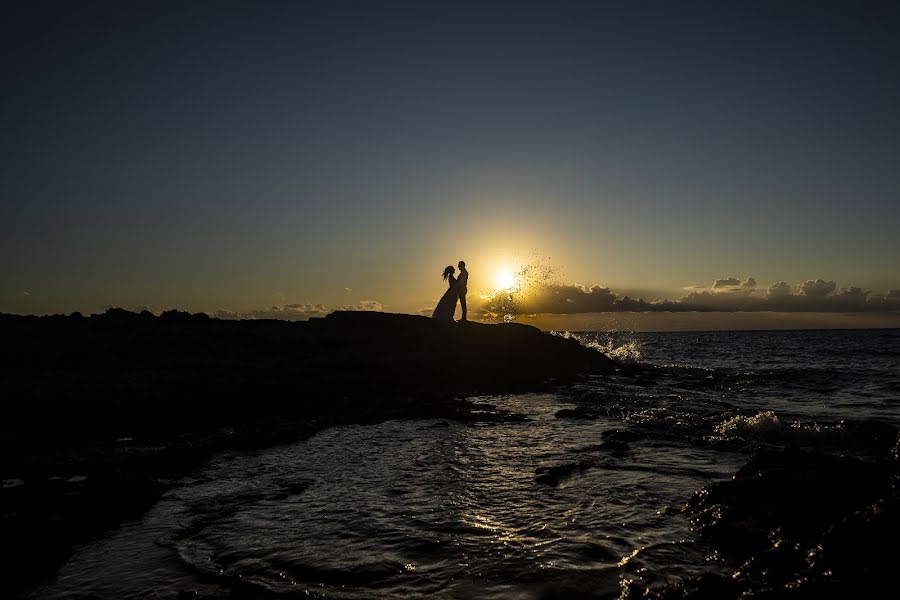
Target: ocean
column 581, row 493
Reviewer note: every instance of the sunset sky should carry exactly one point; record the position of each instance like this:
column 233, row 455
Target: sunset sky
column 239, row 156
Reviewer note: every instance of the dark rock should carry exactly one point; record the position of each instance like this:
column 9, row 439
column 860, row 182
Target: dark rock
column 553, row 476
column 700, row 587
column 178, row 315
column 799, row 492
column 802, row 524
column 121, row 373
column 875, row 436
column 614, row 445
column 622, row 435
column 116, row 314
column 575, row 413
column 861, row 547
column 895, row 453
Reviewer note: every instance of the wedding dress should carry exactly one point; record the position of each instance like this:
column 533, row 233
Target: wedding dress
column 446, row 308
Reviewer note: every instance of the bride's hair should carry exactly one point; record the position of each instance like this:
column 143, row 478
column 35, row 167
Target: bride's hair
column 448, row 271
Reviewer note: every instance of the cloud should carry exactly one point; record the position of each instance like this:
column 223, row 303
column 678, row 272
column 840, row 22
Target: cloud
column 819, row 287
column 727, row 294
column 730, row 294
column 888, row 301
column 367, row 305
column 726, row 283
column 733, row 285
column 851, row 298
column 557, row 298
column 286, row 312
column 296, row 312
column 779, row 289
column 560, row 298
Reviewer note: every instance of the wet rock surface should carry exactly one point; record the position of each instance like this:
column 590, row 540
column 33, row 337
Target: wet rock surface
column 597, row 457
column 100, row 412
column 799, row 524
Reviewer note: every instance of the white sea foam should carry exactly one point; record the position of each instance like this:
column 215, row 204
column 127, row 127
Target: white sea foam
column 628, row 351
column 767, row 427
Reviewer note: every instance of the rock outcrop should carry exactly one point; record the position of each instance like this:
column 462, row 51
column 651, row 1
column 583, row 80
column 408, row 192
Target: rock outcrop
column 799, row 525
column 121, row 372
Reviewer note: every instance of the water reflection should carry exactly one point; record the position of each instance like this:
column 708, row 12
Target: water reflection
column 406, row 508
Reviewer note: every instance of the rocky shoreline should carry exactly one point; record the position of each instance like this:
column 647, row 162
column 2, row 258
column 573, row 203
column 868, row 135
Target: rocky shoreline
column 103, row 411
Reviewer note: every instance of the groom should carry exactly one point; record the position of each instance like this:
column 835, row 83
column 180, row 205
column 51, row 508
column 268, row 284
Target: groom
column 461, row 282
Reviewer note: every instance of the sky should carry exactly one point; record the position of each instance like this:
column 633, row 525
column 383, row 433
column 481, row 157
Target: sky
column 290, row 158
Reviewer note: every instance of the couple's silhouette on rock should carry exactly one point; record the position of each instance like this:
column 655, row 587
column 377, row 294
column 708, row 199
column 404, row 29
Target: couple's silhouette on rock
column 456, row 290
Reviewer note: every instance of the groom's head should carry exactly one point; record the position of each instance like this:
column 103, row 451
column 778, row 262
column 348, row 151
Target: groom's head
column 462, row 264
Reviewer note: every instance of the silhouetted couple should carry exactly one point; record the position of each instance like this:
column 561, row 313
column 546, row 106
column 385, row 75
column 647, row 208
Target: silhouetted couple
column 456, row 290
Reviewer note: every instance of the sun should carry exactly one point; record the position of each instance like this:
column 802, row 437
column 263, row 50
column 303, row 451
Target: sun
column 504, row 280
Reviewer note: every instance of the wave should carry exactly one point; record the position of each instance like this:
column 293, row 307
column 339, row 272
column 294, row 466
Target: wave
column 766, row 427
column 629, row 351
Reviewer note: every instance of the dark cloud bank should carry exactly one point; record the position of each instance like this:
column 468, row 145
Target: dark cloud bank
column 729, row 294
column 725, row 295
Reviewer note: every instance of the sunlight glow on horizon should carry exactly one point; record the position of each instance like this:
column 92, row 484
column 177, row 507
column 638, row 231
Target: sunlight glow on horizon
column 504, row 279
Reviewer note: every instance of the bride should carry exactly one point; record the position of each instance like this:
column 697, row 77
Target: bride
column 446, row 308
